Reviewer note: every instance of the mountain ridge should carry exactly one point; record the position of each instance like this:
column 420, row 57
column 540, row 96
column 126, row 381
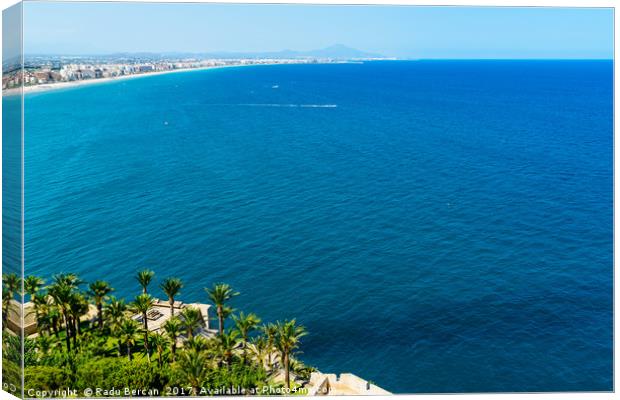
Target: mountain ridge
column 336, row 51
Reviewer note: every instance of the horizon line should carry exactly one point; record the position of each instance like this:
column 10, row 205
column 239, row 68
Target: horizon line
column 394, row 58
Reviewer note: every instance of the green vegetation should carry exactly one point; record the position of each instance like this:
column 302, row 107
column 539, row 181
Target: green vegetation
column 87, row 339
column 219, row 295
column 171, row 288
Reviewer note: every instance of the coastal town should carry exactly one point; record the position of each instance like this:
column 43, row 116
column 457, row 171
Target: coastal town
column 51, row 70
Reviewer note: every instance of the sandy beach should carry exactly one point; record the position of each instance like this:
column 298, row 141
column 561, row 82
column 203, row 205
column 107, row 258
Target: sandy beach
column 72, row 84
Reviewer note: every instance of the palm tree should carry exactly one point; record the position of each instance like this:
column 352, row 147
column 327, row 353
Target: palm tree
column 173, row 328
column 70, row 280
column 192, row 320
column 193, row 365
column 62, row 292
column 270, row 331
column 227, row 312
column 259, row 347
column 145, row 277
column 245, row 324
column 6, row 305
column 143, row 303
column 44, row 324
column 43, row 344
column 300, row 369
column 227, row 343
column 197, row 343
column 78, row 307
column 55, row 315
column 40, row 304
column 99, row 291
column 48, row 314
column 287, row 341
column 32, row 284
column 128, row 331
column 219, row 295
column 114, row 313
column 160, row 342
column 11, row 283
column 171, row 288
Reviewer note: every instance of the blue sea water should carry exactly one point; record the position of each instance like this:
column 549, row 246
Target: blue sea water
column 438, row 226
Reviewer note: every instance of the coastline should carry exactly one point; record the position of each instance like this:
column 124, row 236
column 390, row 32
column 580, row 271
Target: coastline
column 45, row 87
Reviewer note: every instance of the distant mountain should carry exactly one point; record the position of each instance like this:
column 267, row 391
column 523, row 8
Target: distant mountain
column 342, row 51
column 337, row 51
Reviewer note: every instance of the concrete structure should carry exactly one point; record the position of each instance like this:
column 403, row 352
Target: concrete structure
column 30, row 320
column 14, row 315
column 346, row 384
column 160, row 313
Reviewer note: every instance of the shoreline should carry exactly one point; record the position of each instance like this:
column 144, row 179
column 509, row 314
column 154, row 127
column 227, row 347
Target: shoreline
column 47, row 87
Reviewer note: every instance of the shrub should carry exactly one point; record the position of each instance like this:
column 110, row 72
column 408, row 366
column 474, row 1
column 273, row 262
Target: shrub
column 44, row 377
column 121, row 373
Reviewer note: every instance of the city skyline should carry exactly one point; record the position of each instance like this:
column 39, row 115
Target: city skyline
column 393, row 31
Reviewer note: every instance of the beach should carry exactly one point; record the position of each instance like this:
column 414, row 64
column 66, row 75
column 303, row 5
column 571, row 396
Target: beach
column 72, row 84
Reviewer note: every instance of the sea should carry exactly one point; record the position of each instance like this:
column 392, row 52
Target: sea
column 437, row 226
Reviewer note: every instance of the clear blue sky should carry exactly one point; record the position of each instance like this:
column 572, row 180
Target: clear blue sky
column 405, row 31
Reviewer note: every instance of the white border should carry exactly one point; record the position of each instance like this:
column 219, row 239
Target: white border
column 489, row 3
column 527, row 3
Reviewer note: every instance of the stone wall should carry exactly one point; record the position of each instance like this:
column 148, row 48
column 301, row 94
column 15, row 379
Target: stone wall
column 331, row 384
column 362, row 386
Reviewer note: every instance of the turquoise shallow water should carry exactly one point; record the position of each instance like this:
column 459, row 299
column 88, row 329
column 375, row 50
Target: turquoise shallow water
column 437, row 226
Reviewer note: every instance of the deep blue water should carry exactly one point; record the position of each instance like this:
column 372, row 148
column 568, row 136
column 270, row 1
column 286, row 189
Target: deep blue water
column 440, row 227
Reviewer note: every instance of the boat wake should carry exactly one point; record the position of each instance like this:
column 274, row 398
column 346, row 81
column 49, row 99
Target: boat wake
column 280, row 105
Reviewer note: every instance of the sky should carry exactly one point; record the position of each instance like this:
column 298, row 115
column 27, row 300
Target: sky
column 393, row 31
column 11, row 30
